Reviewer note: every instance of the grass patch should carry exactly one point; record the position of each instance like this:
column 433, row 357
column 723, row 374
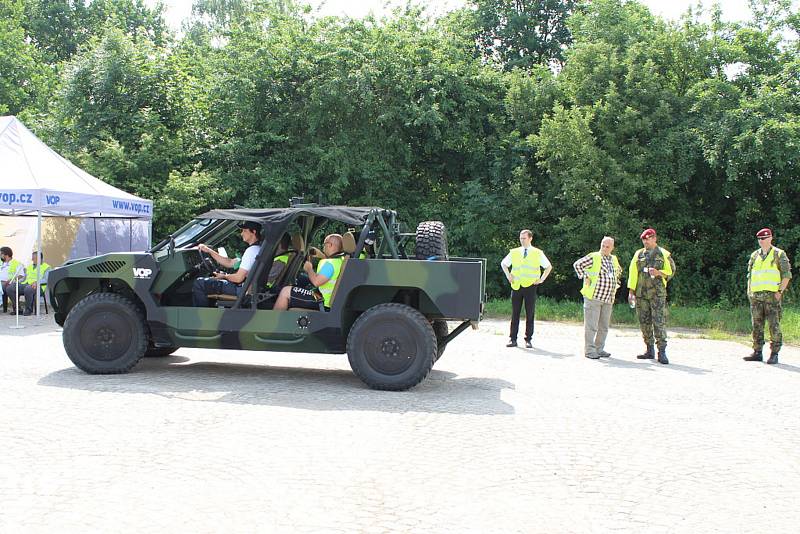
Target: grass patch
column 715, row 323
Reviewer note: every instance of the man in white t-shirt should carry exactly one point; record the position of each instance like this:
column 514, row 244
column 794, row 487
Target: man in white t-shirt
column 223, row 283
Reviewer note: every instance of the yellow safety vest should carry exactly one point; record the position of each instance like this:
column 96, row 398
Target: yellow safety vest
column 633, row 272
column 765, row 276
column 593, row 273
column 526, row 269
column 30, row 273
column 13, row 267
column 327, row 288
column 283, row 258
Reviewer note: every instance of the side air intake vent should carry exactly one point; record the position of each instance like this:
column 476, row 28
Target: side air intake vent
column 107, row 267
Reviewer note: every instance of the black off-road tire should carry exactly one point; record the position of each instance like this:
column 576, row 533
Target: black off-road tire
column 441, row 330
column 391, row 347
column 431, row 241
column 105, row 333
column 159, row 352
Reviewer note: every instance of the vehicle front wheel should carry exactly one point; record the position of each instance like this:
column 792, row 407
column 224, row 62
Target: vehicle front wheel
column 392, row 347
column 159, row 352
column 105, row 333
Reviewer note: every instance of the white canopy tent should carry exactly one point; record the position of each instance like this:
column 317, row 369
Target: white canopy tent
column 35, row 180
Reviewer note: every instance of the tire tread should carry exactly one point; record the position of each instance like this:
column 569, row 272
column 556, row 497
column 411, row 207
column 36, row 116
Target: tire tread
column 75, row 314
column 358, row 366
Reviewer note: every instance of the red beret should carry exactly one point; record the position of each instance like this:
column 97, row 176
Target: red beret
column 647, row 233
column 764, row 232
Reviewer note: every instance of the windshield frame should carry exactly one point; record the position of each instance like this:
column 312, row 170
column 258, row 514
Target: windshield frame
column 188, row 233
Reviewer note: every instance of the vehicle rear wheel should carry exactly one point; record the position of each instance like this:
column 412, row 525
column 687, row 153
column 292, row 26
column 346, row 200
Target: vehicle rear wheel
column 431, row 241
column 441, row 330
column 391, row 347
column 105, row 333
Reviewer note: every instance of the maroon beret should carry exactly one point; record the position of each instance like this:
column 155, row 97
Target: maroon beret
column 764, row 232
column 647, row 233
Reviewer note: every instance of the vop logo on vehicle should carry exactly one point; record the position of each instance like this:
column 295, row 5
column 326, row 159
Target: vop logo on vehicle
column 141, row 272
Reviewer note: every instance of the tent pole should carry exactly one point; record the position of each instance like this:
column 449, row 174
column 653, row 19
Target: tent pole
column 39, row 260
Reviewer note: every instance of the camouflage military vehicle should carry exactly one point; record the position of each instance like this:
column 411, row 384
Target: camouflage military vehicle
column 388, row 311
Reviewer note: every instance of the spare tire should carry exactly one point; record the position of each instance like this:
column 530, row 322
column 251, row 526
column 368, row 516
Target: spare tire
column 431, row 241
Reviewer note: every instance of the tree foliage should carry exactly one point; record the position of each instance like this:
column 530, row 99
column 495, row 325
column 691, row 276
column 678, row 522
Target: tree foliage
column 524, row 33
column 576, row 120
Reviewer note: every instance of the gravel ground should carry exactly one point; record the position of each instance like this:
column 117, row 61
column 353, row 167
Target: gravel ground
column 496, row 440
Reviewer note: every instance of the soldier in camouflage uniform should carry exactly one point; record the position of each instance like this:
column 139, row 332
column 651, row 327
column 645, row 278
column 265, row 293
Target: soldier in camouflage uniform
column 768, row 275
column 650, row 269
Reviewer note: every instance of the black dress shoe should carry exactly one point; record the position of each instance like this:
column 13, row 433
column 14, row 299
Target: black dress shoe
column 512, row 343
column 528, row 345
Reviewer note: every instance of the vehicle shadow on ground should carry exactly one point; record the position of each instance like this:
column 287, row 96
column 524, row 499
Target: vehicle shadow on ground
column 787, row 367
column 557, row 355
column 651, row 365
column 291, row 387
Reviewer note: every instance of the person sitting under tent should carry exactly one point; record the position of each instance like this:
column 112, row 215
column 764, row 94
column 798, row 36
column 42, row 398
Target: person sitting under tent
column 10, row 271
column 32, row 284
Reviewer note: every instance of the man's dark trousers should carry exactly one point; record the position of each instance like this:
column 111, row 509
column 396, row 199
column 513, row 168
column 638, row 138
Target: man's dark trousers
column 203, row 287
column 528, row 294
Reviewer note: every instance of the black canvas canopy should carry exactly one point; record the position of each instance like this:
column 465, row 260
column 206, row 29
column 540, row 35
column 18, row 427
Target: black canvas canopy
column 277, row 216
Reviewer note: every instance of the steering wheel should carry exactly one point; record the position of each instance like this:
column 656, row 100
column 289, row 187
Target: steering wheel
column 206, row 263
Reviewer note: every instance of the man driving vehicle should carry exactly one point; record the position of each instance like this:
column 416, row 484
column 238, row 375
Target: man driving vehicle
column 323, row 279
column 228, row 283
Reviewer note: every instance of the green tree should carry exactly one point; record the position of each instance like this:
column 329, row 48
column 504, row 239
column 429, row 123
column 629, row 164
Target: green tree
column 123, row 116
column 524, row 33
column 60, row 27
column 24, row 79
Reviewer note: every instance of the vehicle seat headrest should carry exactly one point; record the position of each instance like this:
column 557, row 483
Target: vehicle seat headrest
column 298, row 243
column 348, row 243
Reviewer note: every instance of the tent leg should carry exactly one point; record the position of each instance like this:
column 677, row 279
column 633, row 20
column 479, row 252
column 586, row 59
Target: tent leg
column 39, row 260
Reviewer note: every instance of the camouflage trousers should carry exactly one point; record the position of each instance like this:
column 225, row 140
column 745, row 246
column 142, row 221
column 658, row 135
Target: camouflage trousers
column 652, row 314
column 762, row 311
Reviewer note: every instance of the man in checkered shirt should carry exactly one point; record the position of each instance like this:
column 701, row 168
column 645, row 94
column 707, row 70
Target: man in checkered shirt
column 601, row 273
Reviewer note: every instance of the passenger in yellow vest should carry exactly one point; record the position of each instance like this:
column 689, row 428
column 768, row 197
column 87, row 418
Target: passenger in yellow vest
column 650, row 270
column 279, row 262
column 33, row 283
column 10, row 271
column 324, row 280
column 523, row 269
column 601, row 273
column 768, row 275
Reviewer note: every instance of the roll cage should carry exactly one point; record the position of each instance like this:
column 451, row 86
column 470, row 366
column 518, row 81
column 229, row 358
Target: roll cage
column 377, row 225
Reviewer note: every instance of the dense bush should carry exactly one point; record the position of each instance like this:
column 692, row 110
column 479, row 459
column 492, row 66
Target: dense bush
column 618, row 122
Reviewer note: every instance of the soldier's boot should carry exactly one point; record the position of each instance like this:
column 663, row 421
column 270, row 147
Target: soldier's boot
column 757, row 356
column 773, row 358
column 662, row 356
column 649, row 354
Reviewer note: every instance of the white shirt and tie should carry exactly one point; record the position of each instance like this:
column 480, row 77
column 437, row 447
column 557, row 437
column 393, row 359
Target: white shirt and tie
column 544, row 262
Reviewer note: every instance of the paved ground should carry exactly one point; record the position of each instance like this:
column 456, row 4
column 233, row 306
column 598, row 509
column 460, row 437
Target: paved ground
column 497, row 440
